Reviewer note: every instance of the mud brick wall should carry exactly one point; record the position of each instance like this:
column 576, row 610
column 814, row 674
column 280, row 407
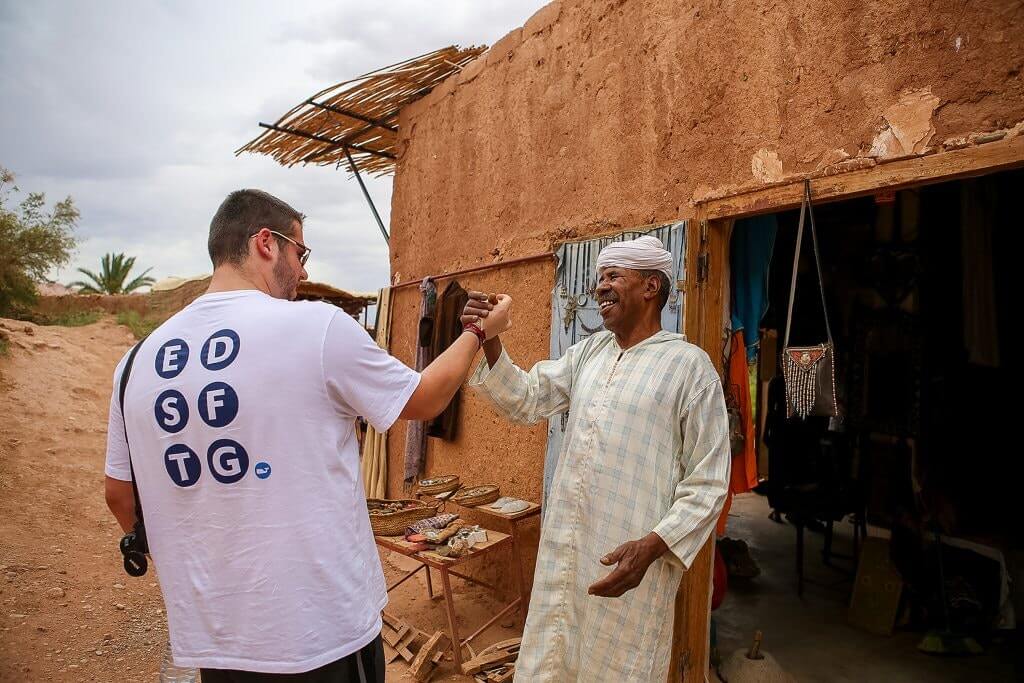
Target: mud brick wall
column 599, row 115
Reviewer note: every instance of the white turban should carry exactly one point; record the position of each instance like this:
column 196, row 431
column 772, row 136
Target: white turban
column 643, row 253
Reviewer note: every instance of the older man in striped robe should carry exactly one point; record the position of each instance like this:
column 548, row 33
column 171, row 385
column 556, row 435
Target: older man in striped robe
column 639, row 483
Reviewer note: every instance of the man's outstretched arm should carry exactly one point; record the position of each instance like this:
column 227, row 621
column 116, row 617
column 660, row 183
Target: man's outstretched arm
column 441, row 379
column 523, row 397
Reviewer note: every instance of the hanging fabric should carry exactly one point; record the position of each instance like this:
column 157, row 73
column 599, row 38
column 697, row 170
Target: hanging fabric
column 743, row 474
column 448, row 328
column 416, row 432
column 809, row 370
column 374, row 465
column 750, row 255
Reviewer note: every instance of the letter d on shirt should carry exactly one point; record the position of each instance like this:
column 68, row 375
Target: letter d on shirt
column 220, row 349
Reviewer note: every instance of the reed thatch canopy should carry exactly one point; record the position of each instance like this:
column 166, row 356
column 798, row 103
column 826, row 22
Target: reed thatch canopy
column 172, row 294
column 360, row 115
column 352, row 302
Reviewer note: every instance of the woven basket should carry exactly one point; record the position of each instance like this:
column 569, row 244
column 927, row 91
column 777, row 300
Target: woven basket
column 439, row 484
column 394, row 523
column 476, row 495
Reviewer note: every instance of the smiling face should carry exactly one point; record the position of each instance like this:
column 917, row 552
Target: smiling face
column 626, row 298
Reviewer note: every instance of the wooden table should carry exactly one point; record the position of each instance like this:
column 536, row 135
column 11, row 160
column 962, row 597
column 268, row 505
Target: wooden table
column 446, row 567
column 513, row 522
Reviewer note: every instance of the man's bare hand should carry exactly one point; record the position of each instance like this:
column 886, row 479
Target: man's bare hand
column 633, row 558
column 493, row 314
column 500, row 317
column 477, row 308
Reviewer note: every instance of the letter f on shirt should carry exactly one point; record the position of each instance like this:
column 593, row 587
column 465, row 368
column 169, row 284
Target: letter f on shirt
column 213, row 401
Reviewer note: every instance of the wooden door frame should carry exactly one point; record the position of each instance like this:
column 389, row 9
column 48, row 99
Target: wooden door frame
column 707, row 253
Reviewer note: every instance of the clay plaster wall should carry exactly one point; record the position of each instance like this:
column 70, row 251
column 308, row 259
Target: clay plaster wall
column 158, row 306
column 603, row 115
column 487, row 449
column 50, row 306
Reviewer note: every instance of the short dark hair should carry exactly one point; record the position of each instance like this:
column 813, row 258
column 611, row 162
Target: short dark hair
column 663, row 291
column 240, row 215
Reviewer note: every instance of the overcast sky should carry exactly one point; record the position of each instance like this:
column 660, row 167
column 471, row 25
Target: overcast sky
column 135, row 110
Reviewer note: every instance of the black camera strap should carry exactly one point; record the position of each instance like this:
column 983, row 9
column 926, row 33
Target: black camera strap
column 121, row 391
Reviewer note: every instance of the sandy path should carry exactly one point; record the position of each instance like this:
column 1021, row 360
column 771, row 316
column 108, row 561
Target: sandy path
column 69, row 612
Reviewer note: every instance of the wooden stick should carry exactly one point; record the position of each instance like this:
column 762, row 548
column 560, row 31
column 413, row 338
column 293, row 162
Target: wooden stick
column 376, row 123
column 320, row 138
column 755, row 649
column 475, row 269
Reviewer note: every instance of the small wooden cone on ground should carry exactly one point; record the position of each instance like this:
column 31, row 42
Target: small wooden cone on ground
column 753, row 666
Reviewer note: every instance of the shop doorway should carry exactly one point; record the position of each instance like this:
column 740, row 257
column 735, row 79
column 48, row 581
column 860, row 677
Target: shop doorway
column 917, row 289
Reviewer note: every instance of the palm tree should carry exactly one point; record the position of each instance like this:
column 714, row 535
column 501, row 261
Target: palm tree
column 113, row 273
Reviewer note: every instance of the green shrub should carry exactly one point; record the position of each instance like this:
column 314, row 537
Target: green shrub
column 69, row 319
column 33, row 241
column 139, row 325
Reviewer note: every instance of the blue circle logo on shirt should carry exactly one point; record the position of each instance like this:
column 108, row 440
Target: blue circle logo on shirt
column 171, row 358
column 183, row 465
column 220, row 350
column 218, row 404
column 228, row 461
column 171, row 411
column 262, row 470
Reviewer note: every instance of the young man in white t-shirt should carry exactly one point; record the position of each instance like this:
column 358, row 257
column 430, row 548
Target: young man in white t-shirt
column 240, row 414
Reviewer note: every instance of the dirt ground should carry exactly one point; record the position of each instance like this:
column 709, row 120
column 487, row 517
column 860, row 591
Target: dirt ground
column 68, row 612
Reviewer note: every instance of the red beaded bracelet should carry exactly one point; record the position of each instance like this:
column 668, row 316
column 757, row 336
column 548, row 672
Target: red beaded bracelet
column 475, row 329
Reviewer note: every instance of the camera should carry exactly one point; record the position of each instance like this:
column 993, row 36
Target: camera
column 134, row 548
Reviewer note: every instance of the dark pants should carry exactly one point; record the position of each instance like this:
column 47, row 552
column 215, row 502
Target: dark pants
column 363, row 666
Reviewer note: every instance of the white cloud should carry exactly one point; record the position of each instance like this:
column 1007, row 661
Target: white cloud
column 135, row 109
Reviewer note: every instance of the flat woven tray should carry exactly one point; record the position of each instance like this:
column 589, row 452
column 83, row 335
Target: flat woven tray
column 477, row 495
column 385, row 522
column 439, row 484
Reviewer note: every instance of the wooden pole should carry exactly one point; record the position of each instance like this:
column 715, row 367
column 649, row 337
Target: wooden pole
column 373, row 208
column 475, row 269
column 377, row 123
column 329, row 141
column 345, row 141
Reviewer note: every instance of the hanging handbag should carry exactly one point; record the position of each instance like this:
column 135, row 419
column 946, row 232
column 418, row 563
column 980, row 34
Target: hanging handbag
column 809, row 371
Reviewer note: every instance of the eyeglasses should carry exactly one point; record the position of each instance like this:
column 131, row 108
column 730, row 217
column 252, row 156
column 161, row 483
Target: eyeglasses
column 304, row 251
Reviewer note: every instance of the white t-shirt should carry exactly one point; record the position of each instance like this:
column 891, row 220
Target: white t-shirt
column 240, row 413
